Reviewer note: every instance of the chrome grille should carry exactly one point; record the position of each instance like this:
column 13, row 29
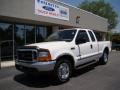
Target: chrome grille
column 27, row 55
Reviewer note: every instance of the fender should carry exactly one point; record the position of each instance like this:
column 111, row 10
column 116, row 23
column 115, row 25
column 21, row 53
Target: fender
column 62, row 53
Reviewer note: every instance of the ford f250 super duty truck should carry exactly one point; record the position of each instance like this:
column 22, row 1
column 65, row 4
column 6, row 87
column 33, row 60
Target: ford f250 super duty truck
column 62, row 52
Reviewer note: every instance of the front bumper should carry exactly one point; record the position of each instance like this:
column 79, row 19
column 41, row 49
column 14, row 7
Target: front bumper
column 35, row 66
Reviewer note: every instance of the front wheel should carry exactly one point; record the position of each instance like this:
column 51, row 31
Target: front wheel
column 63, row 70
column 104, row 59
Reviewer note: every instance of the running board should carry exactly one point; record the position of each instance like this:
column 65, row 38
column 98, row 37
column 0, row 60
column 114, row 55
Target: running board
column 85, row 64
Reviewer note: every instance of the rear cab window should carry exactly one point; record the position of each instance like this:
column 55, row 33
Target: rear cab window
column 91, row 36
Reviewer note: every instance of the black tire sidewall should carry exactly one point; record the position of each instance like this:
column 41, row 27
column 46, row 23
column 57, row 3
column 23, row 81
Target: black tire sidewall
column 102, row 59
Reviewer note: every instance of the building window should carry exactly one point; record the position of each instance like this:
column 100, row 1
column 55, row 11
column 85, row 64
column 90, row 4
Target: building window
column 41, row 33
column 6, row 31
column 30, row 34
column 19, row 34
column 6, row 40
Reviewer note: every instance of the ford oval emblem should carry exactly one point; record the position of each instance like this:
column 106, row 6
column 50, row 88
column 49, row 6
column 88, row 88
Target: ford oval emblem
column 48, row 8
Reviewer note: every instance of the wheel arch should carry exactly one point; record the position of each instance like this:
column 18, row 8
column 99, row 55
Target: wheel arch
column 67, row 56
column 106, row 49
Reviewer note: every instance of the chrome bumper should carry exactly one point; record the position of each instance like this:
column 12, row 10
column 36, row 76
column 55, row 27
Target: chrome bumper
column 39, row 66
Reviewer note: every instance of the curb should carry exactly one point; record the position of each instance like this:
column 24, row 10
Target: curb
column 6, row 64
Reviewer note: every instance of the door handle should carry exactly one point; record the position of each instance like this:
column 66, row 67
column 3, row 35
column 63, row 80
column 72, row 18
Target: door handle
column 72, row 48
column 91, row 46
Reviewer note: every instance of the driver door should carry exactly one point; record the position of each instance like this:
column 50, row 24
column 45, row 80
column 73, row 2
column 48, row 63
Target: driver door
column 84, row 46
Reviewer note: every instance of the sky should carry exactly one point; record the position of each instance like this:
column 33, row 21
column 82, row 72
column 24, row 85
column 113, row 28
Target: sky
column 114, row 3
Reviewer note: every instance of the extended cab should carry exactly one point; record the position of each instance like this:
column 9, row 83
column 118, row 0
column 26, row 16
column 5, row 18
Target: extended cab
column 62, row 52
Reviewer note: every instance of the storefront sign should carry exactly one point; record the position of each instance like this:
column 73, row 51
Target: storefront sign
column 48, row 9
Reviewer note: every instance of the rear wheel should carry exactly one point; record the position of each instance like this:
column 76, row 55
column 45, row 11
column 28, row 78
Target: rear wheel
column 63, row 70
column 104, row 59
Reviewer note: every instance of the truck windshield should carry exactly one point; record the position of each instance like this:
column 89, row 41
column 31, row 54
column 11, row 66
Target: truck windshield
column 63, row 35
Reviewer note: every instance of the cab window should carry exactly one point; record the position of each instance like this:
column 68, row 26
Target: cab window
column 82, row 37
column 92, row 36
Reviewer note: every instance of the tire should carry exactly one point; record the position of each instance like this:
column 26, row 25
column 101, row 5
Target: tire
column 104, row 59
column 62, row 70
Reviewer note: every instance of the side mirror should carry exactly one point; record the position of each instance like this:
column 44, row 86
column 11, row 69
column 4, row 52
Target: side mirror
column 80, row 40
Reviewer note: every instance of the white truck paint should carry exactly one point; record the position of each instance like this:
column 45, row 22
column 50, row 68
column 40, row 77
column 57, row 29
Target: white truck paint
column 63, row 51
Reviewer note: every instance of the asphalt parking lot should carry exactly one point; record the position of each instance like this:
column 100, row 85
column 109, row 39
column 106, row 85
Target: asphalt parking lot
column 95, row 77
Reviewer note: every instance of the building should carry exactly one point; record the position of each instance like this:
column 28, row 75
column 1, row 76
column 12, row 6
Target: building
column 29, row 21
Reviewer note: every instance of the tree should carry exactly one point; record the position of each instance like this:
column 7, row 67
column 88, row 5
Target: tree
column 103, row 9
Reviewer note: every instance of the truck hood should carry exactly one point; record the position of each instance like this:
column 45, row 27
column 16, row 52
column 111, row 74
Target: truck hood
column 51, row 45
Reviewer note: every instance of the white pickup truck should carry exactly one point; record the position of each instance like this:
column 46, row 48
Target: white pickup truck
column 62, row 52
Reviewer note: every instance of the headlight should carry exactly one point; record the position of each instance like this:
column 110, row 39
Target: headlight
column 44, row 55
